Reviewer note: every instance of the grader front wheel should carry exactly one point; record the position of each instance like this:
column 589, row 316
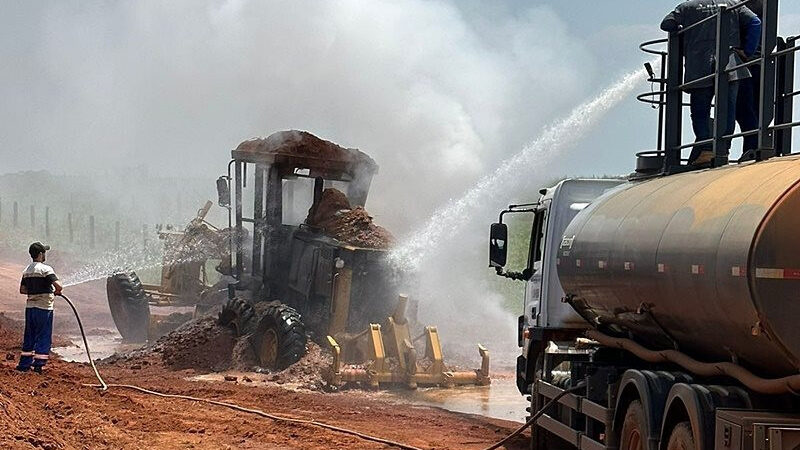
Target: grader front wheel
column 280, row 336
column 275, row 330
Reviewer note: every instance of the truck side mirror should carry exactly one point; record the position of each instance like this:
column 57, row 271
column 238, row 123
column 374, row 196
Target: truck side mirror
column 223, row 192
column 498, row 245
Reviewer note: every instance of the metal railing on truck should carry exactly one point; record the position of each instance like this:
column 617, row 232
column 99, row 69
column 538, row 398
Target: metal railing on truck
column 776, row 87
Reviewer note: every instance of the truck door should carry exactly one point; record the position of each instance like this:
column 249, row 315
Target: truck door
column 533, row 288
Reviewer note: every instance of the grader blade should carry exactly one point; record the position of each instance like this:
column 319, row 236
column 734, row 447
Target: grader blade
column 386, row 355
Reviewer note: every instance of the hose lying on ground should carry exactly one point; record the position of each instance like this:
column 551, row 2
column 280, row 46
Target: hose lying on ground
column 531, row 421
column 233, row 406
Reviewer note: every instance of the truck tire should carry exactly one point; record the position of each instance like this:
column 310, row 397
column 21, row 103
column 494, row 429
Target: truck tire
column 237, row 315
column 681, row 437
column 129, row 306
column 279, row 337
column 634, row 428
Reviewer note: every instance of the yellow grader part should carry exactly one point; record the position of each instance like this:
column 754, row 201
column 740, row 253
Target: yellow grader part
column 388, row 356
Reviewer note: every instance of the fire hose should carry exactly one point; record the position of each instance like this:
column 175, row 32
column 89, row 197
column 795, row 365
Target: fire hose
column 280, row 418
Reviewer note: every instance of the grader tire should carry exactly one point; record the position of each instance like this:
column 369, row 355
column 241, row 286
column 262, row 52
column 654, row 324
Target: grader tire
column 237, row 315
column 129, row 306
column 279, row 337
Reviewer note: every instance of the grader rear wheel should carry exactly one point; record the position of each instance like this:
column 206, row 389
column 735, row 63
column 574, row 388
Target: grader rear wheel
column 129, row 306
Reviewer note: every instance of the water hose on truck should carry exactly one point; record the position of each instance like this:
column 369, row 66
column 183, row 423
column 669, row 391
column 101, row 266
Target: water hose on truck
column 280, row 418
column 773, row 386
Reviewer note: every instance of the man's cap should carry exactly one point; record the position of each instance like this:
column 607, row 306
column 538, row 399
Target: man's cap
column 36, row 248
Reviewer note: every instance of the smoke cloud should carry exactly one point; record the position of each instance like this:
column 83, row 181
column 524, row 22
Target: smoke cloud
column 437, row 93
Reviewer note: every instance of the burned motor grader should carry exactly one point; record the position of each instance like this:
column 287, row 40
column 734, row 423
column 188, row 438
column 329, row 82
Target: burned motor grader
column 307, row 261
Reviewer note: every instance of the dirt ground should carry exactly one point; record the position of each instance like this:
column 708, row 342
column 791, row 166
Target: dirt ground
column 57, row 411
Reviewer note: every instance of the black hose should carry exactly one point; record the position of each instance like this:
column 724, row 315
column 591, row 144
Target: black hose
column 531, row 422
column 103, row 384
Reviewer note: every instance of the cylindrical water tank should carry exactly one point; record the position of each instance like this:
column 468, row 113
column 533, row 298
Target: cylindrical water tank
column 706, row 262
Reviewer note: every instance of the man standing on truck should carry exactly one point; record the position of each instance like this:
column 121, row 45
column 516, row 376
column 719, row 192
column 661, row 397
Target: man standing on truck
column 41, row 285
column 699, row 47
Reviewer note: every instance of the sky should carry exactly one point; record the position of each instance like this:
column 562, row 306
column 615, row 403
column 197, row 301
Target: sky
column 438, row 92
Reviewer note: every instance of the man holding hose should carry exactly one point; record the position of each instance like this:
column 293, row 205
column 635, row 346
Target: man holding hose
column 41, row 285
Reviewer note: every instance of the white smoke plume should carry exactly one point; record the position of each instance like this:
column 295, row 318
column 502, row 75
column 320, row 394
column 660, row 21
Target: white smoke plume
column 434, row 94
column 437, row 94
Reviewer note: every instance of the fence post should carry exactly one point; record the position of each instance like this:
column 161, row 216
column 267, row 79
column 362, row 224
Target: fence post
column 47, row 222
column 91, row 231
column 33, row 218
column 16, row 214
column 116, row 235
column 144, row 237
column 69, row 226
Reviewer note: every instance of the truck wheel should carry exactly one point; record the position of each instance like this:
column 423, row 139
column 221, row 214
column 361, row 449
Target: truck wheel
column 681, row 437
column 279, row 339
column 634, row 428
column 237, row 314
column 129, row 306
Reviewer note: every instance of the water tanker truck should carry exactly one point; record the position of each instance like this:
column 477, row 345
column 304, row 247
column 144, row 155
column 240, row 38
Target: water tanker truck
column 661, row 311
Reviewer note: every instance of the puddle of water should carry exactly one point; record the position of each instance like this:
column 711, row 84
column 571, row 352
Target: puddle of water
column 102, row 346
column 500, row 400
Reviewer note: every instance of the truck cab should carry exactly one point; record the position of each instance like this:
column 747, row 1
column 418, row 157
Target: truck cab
column 545, row 317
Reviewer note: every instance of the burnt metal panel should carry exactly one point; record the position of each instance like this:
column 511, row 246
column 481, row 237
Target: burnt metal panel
column 238, row 208
column 272, row 223
column 258, row 218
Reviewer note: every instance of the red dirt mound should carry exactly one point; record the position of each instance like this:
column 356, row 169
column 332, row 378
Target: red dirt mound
column 334, row 215
column 305, row 144
column 332, row 202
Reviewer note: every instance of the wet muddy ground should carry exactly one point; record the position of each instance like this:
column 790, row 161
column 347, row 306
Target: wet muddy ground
column 57, row 411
